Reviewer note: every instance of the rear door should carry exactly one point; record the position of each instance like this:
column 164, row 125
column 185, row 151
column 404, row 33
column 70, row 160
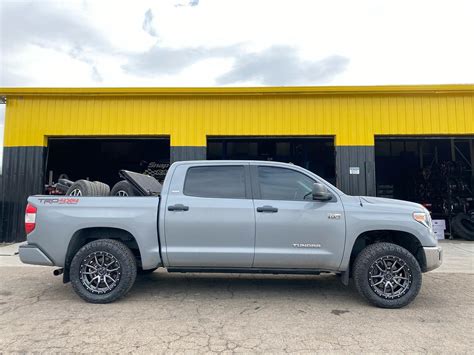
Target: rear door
column 293, row 230
column 209, row 217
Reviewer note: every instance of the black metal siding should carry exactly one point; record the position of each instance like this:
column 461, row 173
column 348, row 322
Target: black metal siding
column 22, row 176
column 356, row 156
column 187, row 153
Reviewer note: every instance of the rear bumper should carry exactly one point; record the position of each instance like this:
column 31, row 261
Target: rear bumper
column 433, row 257
column 31, row 254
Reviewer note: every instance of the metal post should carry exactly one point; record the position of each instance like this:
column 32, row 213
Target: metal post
column 453, row 150
column 471, row 146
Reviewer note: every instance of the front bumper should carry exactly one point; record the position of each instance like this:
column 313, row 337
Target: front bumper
column 31, row 254
column 433, row 257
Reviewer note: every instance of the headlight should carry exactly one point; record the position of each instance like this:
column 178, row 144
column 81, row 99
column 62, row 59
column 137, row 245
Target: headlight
column 423, row 218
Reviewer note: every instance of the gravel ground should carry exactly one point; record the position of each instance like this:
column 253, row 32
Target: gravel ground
column 197, row 313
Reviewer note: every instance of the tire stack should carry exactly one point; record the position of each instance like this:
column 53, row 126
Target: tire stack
column 462, row 226
column 96, row 188
column 88, row 188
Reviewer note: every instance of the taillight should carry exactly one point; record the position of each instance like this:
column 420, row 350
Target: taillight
column 30, row 218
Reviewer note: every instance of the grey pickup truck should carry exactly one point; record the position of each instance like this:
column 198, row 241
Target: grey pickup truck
column 234, row 217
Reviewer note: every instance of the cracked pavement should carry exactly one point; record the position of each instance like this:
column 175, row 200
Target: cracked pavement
column 216, row 313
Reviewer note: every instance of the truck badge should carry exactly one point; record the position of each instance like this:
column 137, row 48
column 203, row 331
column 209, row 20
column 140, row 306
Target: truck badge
column 306, row 245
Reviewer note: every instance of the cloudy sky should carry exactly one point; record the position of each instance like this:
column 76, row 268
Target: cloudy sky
column 235, row 42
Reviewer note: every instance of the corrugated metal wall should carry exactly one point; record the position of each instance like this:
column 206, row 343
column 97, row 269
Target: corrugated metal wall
column 352, row 119
column 361, row 157
column 22, row 177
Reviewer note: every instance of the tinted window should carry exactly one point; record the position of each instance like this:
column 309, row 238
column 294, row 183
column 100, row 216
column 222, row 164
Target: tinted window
column 284, row 184
column 215, row 181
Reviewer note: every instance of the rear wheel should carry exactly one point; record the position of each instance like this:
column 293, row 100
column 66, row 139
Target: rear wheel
column 387, row 275
column 103, row 270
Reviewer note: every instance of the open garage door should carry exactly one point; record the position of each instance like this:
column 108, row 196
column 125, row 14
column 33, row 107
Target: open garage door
column 313, row 153
column 434, row 171
column 102, row 158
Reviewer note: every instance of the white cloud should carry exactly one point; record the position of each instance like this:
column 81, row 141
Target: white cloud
column 149, row 43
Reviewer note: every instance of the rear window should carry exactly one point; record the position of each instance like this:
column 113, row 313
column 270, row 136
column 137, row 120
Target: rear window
column 215, row 181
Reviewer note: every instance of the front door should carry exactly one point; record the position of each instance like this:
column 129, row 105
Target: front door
column 293, row 230
column 210, row 217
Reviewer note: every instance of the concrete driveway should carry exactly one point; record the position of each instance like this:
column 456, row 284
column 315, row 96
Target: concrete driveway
column 199, row 313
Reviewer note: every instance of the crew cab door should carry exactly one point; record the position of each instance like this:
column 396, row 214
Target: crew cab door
column 293, row 230
column 209, row 217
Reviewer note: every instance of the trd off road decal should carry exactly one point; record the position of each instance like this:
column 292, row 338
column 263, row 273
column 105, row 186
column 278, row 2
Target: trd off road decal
column 59, row 201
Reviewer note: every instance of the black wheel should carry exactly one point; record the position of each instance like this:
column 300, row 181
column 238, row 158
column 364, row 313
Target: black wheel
column 81, row 188
column 102, row 189
column 387, row 275
column 103, row 270
column 463, row 226
column 123, row 188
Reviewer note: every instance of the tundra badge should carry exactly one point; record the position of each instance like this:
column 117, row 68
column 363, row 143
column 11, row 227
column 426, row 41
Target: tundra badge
column 306, row 245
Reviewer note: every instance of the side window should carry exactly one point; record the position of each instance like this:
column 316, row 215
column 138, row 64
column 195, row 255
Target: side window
column 284, row 184
column 215, row 181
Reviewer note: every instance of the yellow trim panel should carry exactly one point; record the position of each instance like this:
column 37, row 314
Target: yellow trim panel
column 354, row 115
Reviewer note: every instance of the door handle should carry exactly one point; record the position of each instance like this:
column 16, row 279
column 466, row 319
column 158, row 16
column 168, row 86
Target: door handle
column 269, row 209
column 178, row 207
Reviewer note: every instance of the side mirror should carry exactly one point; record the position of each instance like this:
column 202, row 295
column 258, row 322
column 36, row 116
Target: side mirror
column 320, row 192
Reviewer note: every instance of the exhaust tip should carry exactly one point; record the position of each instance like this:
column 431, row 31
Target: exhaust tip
column 58, row 272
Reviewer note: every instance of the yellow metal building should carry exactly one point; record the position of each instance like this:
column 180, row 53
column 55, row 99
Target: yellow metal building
column 351, row 117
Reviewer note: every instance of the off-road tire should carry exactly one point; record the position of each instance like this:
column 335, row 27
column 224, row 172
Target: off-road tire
column 128, row 270
column 85, row 187
column 463, row 226
column 366, row 259
column 102, row 189
column 123, row 187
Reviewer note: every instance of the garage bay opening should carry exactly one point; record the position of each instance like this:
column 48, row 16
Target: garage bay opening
column 102, row 158
column 434, row 171
column 313, row 153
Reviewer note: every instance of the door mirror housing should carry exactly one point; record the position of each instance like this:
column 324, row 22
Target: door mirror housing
column 321, row 192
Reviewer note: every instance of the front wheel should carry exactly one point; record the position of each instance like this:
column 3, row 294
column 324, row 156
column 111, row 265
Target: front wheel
column 387, row 275
column 103, row 270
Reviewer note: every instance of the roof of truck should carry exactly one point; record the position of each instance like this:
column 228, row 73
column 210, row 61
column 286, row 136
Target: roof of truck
column 205, row 162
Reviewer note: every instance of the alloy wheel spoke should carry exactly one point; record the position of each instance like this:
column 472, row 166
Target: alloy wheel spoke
column 400, row 269
column 378, row 276
column 108, row 264
column 398, row 283
column 105, row 281
column 98, row 280
column 378, row 282
column 390, row 277
column 100, row 272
